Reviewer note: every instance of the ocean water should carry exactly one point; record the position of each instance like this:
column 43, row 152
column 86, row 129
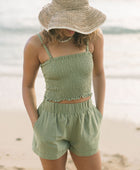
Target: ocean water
column 18, row 21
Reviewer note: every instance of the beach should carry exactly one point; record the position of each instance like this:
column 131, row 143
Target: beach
column 119, row 141
column 119, row 144
column 120, row 128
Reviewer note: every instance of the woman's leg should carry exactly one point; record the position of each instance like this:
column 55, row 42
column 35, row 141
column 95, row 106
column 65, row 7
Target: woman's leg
column 87, row 162
column 58, row 164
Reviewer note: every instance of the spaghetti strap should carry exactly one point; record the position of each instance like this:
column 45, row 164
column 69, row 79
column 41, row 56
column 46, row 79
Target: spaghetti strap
column 87, row 49
column 44, row 46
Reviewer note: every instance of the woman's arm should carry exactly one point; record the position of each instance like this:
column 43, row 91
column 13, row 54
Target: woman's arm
column 30, row 69
column 98, row 72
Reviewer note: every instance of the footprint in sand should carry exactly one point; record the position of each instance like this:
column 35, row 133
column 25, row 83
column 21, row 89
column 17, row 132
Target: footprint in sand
column 1, row 166
column 115, row 162
column 18, row 168
column 138, row 128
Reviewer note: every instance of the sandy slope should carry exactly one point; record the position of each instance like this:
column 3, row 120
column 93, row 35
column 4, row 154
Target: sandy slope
column 119, row 144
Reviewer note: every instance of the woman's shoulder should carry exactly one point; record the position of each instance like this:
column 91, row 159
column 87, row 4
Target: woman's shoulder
column 33, row 44
column 33, row 41
column 32, row 47
column 98, row 39
column 99, row 35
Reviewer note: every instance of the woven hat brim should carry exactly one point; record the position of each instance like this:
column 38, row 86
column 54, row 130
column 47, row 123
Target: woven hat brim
column 85, row 20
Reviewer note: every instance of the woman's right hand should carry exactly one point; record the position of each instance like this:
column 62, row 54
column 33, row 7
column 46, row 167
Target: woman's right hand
column 33, row 122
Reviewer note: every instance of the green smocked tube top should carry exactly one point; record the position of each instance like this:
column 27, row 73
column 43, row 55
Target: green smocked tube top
column 67, row 77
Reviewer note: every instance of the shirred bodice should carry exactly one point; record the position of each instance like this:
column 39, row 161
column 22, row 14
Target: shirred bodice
column 67, row 77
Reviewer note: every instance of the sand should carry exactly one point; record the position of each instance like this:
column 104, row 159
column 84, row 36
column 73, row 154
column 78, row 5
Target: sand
column 119, row 144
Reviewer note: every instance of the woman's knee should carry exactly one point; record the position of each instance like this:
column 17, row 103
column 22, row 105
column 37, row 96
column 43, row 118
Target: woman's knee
column 57, row 164
column 92, row 162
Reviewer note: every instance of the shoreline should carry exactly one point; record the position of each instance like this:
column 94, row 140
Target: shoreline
column 121, row 100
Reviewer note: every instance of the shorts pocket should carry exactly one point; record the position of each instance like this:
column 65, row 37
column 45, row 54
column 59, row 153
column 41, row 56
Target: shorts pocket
column 99, row 113
column 40, row 115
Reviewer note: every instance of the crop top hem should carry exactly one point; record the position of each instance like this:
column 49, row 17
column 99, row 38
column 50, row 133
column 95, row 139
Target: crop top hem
column 67, row 98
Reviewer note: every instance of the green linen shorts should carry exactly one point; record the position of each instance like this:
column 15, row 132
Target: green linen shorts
column 61, row 126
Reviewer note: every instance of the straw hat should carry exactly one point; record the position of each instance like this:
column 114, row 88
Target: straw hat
column 76, row 15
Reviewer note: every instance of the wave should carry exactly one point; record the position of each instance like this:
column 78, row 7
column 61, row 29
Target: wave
column 23, row 30
column 106, row 29
column 119, row 30
column 123, row 76
column 8, row 74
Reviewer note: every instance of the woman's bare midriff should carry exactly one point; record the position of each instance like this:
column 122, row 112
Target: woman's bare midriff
column 73, row 101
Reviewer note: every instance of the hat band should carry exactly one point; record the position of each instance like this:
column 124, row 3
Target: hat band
column 74, row 5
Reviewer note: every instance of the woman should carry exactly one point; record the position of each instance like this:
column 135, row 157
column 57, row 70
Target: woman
column 69, row 50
